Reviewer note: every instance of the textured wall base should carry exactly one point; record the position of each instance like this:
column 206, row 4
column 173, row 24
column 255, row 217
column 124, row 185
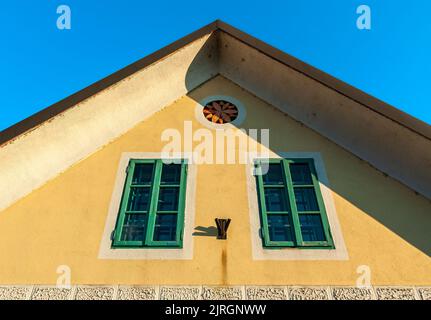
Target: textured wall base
column 214, row 293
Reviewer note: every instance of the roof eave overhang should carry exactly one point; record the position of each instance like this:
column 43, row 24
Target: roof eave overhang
column 383, row 136
column 339, row 86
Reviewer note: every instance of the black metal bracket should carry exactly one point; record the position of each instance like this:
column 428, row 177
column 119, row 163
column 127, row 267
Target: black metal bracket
column 222, row 226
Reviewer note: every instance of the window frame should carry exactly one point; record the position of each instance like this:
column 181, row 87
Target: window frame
column 298, row 241
column 155, row 186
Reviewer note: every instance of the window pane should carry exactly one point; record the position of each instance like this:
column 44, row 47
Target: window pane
column 306, row 199
column 143, row 173
column 134, row 227
column 275, row 199
column 139, row 199
column 311, row 227
column 300, row 173
column 279, row 227
column 274, row 174
column 171, row 174
column 165, row 228
column 168, row 199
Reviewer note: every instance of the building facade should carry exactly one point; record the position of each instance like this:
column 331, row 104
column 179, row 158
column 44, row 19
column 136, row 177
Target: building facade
column 113, row 193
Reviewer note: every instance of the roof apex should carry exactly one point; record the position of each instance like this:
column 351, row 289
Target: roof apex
column 341, row 87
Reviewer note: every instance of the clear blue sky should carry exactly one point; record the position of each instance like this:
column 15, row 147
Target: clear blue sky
column 40, row 64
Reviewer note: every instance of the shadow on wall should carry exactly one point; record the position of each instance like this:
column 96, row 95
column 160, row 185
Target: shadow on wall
column 389, row 202
column 201, row 231
column 205, row 64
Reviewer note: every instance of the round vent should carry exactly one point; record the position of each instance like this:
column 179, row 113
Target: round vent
column 220, row 111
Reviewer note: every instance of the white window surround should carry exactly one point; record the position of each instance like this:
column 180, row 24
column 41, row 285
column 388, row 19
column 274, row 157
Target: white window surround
column 184, row 253
column 259, row 252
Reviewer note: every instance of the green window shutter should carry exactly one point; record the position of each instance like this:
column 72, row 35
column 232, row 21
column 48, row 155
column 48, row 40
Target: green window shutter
column 152, row 207
column 291, row 204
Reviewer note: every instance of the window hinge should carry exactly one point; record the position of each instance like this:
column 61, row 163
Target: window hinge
column 127, row 168
column 257, row 169
column 113, row 235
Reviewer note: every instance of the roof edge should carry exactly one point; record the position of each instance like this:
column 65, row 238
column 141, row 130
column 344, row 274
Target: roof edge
column 402, row 118
column 372, row 103
column 55, row 109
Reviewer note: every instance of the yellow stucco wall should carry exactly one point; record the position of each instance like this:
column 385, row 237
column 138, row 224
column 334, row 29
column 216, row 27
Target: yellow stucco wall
column 385, row 225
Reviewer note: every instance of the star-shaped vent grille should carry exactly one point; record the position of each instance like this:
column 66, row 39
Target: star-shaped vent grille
column 220, row 112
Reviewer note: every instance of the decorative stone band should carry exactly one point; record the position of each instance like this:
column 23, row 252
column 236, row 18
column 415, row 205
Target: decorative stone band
column 121, row 292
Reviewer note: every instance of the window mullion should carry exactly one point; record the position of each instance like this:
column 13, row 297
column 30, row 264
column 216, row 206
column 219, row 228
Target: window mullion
column 292, row 202
column 154, row 202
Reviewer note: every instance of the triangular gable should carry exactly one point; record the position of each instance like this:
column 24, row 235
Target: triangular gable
column 70, row 130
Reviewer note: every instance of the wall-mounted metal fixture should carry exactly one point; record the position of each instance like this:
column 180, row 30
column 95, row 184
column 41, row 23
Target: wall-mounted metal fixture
column 222, row 226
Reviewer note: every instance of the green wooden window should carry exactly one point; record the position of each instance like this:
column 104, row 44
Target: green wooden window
column 291, row 205
column 152, row 205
